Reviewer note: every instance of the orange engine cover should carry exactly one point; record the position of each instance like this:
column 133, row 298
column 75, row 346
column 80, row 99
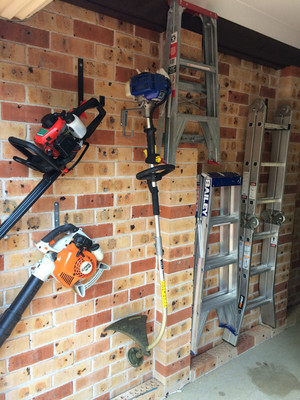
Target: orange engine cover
column 69, row 268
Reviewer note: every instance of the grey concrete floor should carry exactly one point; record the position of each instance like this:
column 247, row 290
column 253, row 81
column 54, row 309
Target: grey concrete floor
column 269, row 371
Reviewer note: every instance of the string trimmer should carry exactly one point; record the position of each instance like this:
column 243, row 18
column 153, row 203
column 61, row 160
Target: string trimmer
column 150, row 91
column 60, row 138
column 71, row 257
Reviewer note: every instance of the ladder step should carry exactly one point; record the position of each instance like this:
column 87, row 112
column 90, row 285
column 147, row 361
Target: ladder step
column 196, row 118
column 276, row 127
column 268, row 200
column 257, row 302
column 220, row 261
column 188, row 86
column 272, row 164
column 197, row 65
column 217, row 300
column 263, row 235
column 260, row 269
column 186, row 138
column 224, row 220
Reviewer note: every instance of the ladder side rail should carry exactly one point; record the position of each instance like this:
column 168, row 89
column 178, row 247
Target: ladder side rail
column 205, row 203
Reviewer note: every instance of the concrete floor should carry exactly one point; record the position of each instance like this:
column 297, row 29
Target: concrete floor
column 268, row 371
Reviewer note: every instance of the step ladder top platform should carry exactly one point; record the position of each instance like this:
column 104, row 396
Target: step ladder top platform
column 219, row 179
column 196, row 9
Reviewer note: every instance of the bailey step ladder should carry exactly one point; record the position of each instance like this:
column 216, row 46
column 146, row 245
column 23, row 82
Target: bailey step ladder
column 223, row 297
column 195, row 87
column 267, row 206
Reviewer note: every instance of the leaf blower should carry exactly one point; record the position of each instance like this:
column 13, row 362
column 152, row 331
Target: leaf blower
column 71, row 257
column 150, row 91
column 60, row 138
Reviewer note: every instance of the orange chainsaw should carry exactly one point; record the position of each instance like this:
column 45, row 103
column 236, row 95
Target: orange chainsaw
column 71, row 257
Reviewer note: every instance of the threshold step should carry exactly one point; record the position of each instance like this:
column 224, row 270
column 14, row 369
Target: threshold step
column 184, row 62
column 273, row 164
column 264, row 235
column 268, row 200
column 220, row 261
column 260, row 269
column 224, row 220
column 217, row 300
column 257, row 302
column 276, row 127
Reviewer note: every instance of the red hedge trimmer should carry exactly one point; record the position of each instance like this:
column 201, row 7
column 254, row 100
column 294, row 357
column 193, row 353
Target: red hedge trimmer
column 60, row 138
column 71, row 257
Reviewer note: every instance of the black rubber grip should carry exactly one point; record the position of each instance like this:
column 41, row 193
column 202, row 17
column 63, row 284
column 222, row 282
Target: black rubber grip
column 14, row 313
column 91, row 103
column 57, row 231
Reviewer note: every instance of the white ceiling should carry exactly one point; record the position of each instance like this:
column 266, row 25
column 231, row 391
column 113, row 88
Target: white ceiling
column 278, row 19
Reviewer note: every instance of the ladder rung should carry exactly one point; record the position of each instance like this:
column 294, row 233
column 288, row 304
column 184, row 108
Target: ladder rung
column 188, row 86
column 197, row 65
column 257, row 302
column 272, row 164
column 268, row 200
column 263, row 235
column 260, row 269
column 217, row 300
column 196, row 118
column 276, row 127
column 220, row 261
column 190, row 138
column 224, row 220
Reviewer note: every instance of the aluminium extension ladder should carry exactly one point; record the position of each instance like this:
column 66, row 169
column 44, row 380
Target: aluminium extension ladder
column 195, row 97
column 271, row 215
column 224, row 300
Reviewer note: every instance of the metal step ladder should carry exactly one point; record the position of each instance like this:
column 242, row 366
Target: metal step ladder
column 224, row 298
column 267, row 206
column 195, row 87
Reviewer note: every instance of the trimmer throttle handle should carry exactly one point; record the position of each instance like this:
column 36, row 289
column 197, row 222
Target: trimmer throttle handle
column 155, row 174
column 70, row 228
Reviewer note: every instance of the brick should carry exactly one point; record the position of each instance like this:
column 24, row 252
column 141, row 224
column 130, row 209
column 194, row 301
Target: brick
column 57, row 393
column 12, row 52
column 74, row 342
column 19, row 33
column 290, row 71
column 45, row 204
column 114, row 55
column 53, row 302
column 143, row 265
column 142, row 291
column 9, row 381
column 95, row 169
column 95, row 201
column 237, row 97
column 92, row 350
column 52, row 334
column 124, row 74
column 64, row 81
column 142, row 211
column 12, row 92
column 92, row 321
column 13, row 278
column 122, row 256
column 167, row 370
column 147, row 34
column 30, row 357
column 121, row 213
column 51, row 98
column 24, row 75
column 245, row 342
column 11, row 129
column 93, row 33
column 143, row 63
column 73, row 46
column 203, row 364
column 73, row 312
column 110, row 301
column 98, row 290
column 96, row 69
column 9, row 169
column 23, row 113
column 115, row 185
column 267, row 92
column 92, row 378
column 71, row 186
column 46, row 59
column 96, row 231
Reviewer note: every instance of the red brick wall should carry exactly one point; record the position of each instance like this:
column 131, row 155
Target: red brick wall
column 60, row 350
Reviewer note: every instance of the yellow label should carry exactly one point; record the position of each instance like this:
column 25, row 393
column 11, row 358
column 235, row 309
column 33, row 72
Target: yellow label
column 163, row 294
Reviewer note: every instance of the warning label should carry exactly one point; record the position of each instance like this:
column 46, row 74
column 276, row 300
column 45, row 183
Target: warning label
column 172, row 61
column 247, row 252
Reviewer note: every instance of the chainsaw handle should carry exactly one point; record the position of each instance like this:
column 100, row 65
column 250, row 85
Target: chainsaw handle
column 91, row 103
column 57, row 231
column 14, row 312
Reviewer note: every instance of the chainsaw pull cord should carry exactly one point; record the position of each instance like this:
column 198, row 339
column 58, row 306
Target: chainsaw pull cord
column 152, row 185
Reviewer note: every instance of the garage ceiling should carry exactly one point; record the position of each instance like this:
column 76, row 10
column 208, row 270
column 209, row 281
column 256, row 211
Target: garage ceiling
column 239, row 33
